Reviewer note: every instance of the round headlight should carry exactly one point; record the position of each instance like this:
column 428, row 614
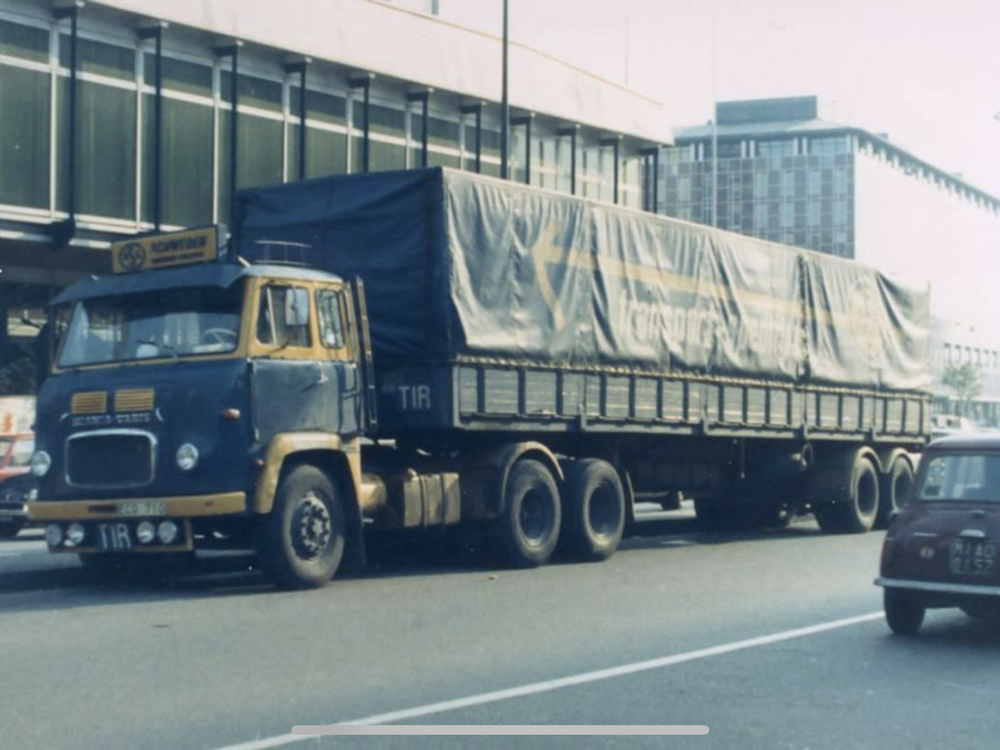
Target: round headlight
column 167, row 532
column 145, row 532
column 75, row 534
column 187, row 457
column 53, row 535
column 41, row 462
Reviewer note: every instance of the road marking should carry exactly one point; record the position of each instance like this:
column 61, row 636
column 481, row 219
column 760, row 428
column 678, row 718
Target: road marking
column 571, row 681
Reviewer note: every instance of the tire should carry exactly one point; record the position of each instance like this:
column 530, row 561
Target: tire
column 528, row 530
column 594, row 513
column 904, row 611
column 711, row 516
column 302, row 540
column 11, row 530
column 896, row 484
column 856, row 512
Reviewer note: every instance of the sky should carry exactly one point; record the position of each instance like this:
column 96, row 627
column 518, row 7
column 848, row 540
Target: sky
column 927, row 73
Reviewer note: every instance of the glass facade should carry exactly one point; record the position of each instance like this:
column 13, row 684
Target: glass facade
column 142, row 156
column 779, row 195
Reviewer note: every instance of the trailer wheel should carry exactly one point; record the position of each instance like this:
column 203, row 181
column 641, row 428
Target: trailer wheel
column 302, row 540
column 856, row 511
column 904, row 612
column 529, row 528
column 595, row 509
column 896, row 484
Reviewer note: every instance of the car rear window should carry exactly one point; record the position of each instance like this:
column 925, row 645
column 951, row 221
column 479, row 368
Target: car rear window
column 962, row 476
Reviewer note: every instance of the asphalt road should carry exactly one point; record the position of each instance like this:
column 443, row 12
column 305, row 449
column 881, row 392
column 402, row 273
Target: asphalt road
column 770, row 640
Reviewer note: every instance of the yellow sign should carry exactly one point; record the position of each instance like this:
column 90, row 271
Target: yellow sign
column 165, row 250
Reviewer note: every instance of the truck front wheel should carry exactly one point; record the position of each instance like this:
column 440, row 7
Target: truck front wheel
column 529, row 528
column 595, row 509
column 303, row 538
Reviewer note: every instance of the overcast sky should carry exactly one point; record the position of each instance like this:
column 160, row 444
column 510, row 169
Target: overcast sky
column 927, row 73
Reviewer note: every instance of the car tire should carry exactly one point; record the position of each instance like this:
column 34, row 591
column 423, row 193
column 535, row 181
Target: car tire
column 594, row 512
column 528, row 530
column 11, row 529
column 896, row 484
column 302, row 539
column 857, row 511
column 904, row 611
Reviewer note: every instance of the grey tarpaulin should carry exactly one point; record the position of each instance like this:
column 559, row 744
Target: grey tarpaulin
column 456, row 264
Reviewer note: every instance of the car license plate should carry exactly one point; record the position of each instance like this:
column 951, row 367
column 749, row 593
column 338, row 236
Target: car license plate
column 971, row 558
column 142, row 508
column 113, row 537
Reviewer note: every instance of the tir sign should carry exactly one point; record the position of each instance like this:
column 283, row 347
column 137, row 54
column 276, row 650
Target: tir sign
column 165, row 250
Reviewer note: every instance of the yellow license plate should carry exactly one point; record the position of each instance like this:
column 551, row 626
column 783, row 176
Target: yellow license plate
column 142, row 508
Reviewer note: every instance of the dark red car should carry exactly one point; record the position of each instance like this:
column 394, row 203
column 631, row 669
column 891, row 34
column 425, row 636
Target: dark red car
column 941, row 548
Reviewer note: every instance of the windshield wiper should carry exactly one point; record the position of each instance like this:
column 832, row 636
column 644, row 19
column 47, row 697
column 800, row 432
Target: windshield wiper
column 165, row 347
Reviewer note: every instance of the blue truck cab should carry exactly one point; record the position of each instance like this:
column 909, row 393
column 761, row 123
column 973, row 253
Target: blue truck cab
column 189, row 392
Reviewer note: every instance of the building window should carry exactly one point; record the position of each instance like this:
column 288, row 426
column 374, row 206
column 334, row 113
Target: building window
column 105, row 128
column 776, row 147
column 187, row 142
column 24, row 127
column 326, row 132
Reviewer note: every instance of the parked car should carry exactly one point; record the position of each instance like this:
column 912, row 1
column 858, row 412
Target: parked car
column 14, row 493
column 15, row 482
column 941, row 548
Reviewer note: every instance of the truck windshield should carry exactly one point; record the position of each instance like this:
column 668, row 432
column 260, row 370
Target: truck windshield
column 962, row 476
column 167, row 323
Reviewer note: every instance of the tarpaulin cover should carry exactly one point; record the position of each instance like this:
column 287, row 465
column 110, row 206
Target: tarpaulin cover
column 456, row 264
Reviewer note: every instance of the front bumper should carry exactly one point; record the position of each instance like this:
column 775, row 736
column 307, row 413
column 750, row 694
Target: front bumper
column 119, row 517
column 934, row 587
column 193, row 506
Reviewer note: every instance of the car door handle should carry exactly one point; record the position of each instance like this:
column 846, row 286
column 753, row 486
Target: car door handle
column 972, row 534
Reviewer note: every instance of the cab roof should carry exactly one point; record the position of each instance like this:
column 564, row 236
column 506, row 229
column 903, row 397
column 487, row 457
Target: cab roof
column 221, row 275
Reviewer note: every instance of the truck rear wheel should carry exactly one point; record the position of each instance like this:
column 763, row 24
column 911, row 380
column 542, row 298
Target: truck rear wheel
column 595, row 509
column 529, row 528
column 856, row 511
column 303, row 538
column 896, row 484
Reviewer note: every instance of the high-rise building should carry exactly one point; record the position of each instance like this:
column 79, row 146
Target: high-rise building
column 776, row 169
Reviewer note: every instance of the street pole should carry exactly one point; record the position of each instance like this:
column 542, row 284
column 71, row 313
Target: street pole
column 504, row 103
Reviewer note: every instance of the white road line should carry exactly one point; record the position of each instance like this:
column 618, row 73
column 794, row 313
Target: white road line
column 573, row 680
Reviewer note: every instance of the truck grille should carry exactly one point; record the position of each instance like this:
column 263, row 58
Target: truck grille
column 113, row 458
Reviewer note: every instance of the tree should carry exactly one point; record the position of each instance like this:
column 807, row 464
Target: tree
column 964, row 380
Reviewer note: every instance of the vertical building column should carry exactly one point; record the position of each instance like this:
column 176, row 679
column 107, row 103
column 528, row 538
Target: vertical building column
column 232, row 51
column 423, row 97
column 651, row 157
column 477, row 110
column 155, row 32
column 571, row 132
column 299, row 67
column 64, row 231
column 525, row 120
column 365, row 84
column 615, row 144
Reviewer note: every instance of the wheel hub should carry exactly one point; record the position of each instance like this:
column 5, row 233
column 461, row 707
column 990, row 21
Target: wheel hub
column 312, row 528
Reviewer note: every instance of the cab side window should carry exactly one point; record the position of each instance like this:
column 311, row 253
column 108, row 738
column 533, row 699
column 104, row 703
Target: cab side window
column 283, row 317
column 331, row 326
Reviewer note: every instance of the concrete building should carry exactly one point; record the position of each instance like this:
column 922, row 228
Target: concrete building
column 782, row 172
column 118, row 117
